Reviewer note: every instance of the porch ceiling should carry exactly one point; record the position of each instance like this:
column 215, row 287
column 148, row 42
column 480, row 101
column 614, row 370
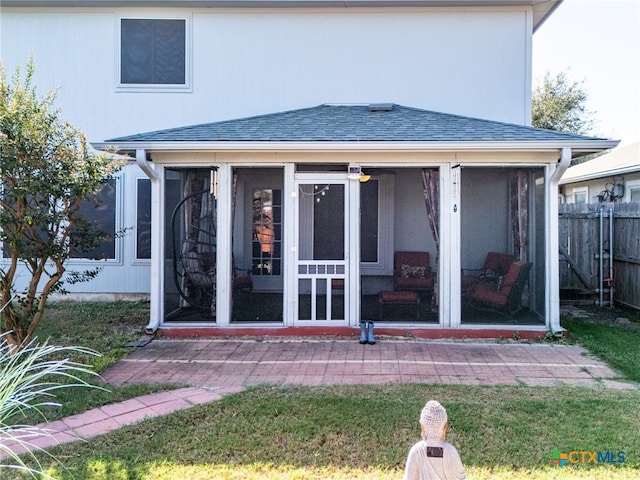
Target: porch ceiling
column 357, row 127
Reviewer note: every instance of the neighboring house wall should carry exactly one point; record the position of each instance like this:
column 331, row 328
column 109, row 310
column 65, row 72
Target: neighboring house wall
column 474, row 62
column 614, row 176
column 593, row 188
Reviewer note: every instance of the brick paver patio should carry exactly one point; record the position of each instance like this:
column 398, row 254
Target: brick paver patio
column 224, row 362
column 210, row 368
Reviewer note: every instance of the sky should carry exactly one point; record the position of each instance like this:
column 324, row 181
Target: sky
column 596, row 42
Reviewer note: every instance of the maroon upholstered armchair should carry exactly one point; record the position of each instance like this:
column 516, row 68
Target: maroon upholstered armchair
column 411, row 272
column 495, row 265
column 504, row 297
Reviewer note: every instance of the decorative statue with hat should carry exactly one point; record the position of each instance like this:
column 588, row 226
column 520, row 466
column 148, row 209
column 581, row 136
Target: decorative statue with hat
column 433, row 458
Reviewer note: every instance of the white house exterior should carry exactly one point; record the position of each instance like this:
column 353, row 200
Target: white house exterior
column 285, row 103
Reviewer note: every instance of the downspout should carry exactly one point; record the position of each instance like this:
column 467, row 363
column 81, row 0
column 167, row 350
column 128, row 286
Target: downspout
column 154, row 313
column 145, row 166
column 563, row 164
column 553, row 245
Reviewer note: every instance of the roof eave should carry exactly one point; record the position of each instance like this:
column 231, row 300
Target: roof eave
column 542, row 9
column 597, row 175
column 577, row 146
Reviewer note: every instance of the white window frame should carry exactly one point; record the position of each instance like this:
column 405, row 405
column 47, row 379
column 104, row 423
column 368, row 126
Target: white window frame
column 386, row 197
column 145, row 87
column 628, row 187
column 135, row 233
column 117, row 259
column 579, row 190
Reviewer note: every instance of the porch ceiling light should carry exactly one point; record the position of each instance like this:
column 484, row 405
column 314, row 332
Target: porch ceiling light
column 356, row 173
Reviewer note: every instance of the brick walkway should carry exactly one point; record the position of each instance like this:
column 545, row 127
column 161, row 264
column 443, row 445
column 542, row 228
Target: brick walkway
column 209, row 369
column 217, row 362
column 111, row 417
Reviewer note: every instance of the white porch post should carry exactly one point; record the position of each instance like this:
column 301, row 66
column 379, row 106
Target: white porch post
column 156, row 176
column 450, row 246
column 352, row 282
column 224, row 245
column 289, row 247
column 552, row 308
column 157, row 249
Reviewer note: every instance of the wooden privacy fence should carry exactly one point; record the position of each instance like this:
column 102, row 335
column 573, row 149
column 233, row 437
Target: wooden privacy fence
column 587, row 271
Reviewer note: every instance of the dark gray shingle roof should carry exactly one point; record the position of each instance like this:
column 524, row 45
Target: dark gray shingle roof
column 354, row 123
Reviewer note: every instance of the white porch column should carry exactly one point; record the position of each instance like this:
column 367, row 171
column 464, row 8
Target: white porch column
column 352, row 282
column 156, row 291
column 450, row 246
column 289, row 247
column 224, row 269
column 552, row 280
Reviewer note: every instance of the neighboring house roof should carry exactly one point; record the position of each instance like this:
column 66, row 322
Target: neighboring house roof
column 617, row 162
column 541, row 8
column 373, row 124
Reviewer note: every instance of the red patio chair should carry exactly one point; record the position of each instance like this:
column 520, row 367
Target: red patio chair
column 506, row 296
column 411, row 272
column 495, row 265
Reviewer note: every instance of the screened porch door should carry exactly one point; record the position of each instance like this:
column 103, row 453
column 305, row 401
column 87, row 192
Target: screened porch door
column 322, row 249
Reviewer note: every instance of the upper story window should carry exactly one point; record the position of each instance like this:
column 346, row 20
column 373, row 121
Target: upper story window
column 154, row 53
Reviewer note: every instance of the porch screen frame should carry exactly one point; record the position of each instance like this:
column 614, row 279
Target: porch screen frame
column 352, row 244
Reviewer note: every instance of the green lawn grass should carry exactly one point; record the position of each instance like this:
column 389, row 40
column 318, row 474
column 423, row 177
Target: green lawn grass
column 348, row 432
column 618, row 345
column 104, row 327
column 358, row 432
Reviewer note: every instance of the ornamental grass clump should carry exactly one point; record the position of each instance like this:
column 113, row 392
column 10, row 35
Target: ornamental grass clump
column 29, row 378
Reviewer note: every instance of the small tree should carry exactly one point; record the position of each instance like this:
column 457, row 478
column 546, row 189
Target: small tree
column 47, row 170
column 559, row 104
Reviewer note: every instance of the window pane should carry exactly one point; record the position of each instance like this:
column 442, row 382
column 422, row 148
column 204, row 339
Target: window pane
column 635, row 195
column 369, row 221
column 100, row 211
column 143, row 219
column 328, row 222
column 152, row 51
column 580, row 197
column 267, row 231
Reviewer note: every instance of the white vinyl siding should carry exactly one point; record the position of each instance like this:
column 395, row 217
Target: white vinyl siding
column 256, row 61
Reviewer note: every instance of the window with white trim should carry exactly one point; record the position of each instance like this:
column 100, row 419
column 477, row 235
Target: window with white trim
column 376, row 225
column 267, row 232
column 100, row 211
column 143, row 218
column 580, row 195
column 154, row 53
column 632, row 188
